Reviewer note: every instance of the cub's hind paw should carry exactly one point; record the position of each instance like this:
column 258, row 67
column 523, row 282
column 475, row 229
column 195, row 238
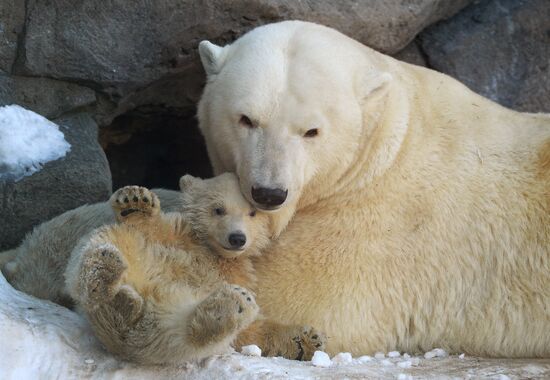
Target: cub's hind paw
column 224, row 313
column 100, row 274
column 134, row 201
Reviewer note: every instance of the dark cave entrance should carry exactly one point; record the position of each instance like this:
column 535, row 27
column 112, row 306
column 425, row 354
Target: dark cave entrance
column 154, row 149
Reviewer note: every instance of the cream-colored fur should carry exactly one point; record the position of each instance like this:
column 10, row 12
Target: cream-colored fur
column 155, row 293
column 37, row 265
column 421, row 210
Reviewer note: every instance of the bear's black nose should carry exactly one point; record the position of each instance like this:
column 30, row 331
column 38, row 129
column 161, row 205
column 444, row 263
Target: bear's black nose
column 237, row 239
column 269, row 198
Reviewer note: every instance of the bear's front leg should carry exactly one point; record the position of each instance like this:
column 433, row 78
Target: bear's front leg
column 134, row 204
column 221, row 316
column 276, row 339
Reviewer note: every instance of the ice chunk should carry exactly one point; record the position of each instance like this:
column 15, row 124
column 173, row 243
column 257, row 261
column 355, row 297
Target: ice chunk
column 342, row 358
column 394, row 354
column 379, row 355
column 386, row 362
column 27, row 141
column 321, row 359
column 436, row 353
column 461, row 356
column 251, row 350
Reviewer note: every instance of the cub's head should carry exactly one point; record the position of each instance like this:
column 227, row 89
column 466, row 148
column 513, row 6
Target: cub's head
column 221, row 217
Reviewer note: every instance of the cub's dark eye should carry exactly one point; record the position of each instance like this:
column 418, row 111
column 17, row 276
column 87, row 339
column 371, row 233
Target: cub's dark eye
column 219, row 211
column 246, row 122
column 311, row 133
column 252, row 213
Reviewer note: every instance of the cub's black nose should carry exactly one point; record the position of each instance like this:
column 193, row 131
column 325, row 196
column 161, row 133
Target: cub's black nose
column 269, row 198
column 237, row 239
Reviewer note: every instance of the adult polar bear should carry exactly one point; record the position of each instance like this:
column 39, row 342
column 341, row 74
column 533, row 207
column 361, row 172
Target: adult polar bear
column 422, row 210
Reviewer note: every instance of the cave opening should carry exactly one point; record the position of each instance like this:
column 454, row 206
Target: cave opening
column 154, row 148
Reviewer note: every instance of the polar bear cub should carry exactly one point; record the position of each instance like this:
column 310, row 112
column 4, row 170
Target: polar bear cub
column 168, row 287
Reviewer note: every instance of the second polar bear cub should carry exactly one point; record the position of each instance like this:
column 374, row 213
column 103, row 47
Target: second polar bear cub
column 155, row 293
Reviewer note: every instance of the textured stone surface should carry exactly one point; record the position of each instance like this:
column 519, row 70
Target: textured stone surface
column 81, row 177
column 48, row 97
column 123, row 50
column 412, row 53
column 12, row 19
column 499, row 48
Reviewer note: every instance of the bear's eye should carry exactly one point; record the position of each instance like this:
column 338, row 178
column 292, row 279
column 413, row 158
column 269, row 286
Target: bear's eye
column 252, row 213
column 311, row 133
column 219, row 211
column 246, row 122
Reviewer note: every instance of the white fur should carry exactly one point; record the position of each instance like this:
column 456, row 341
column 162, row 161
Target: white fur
column 421, row 211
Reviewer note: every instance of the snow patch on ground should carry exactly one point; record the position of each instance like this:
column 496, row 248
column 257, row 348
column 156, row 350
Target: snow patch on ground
column 27, row 142
column 41, row 340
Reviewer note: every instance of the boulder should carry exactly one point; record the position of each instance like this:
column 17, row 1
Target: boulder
column 48, row 97
column 123, row 50
column 82, row 176
column 498, row 48
column 12, row 19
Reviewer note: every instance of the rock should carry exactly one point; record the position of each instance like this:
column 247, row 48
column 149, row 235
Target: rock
column 412, row 53
column 124, row 50
column 498, row 48
column 48, row 97
column 12, row 19
column 81, row 177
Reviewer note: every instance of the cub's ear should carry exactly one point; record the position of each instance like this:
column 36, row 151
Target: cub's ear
column 212, row 57
column 188, row 182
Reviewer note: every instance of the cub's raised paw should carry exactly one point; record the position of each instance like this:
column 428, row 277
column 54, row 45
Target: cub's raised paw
column 308, row 341
column 100, row 274
column 134, row 201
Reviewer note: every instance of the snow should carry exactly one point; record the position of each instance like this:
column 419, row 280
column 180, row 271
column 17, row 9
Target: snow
column 342, row 358
column 405, row 364
column 27, row 142
column 321, row 359
column 379, row 355
column 394, row 354
column 436, row 353
column 41, row 340
column 251, row 350
column 461, row 356
column 364, row 359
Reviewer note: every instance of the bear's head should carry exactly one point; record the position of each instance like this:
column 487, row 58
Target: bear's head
column 221, row 217
column 283, row 108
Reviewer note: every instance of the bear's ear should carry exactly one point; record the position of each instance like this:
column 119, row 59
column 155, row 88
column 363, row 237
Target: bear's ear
column 212, row 57
column 374, row 82
column 187, row 182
